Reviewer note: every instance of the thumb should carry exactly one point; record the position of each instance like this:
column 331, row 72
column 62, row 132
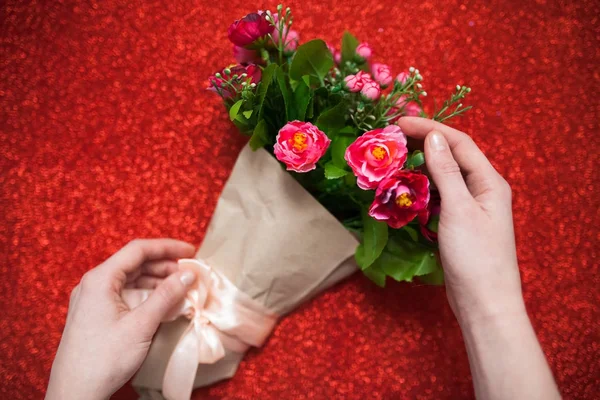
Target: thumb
column 444, row 169
column 164, row 298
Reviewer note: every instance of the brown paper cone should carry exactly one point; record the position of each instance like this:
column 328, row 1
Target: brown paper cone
column 274, row 241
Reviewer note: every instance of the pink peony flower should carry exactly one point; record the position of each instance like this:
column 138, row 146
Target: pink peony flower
column 353, row 83
column 382, row 74
column 433, row 210
column 220, row 85
column 400, row 198
column 245, row 56
column 300, row 145
column 364, row 51
column 402, row 77
column 370, row 89
column 249, row 29
column 376, row 155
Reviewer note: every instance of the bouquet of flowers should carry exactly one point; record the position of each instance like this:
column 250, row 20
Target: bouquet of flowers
column 329, row 117
column 352, row 196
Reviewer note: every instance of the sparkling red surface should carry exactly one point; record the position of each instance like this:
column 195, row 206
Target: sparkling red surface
column 107, row 134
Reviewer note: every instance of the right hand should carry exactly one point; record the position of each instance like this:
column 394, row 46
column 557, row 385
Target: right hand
column 475, row 233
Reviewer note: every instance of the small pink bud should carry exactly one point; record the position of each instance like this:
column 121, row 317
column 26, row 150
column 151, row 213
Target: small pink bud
column 353, row 83
column 371, row 90
column 382, row 74
column 337, row 57
column 364, row 51
column 402, row 78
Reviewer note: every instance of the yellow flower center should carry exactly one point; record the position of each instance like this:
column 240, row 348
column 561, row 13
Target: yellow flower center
column 299, row 141
column 379, row 153
column 404, row 200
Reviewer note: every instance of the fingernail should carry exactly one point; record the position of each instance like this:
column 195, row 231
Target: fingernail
column 438, row 142
column 187, row 278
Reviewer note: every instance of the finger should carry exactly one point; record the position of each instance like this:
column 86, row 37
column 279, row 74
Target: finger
column 147, row 282
column 159, row 269
column 466, row 153
column 164, row 298
column 444, row 170
column 139, row 251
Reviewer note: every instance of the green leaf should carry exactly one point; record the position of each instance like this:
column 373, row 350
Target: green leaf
column 260, row 136
column 286, row 91
column 333, row 118
column 235, row 109
column 338, row 150
column 375, row 274
column 412, row 232
column 434, row 278
column 312, row 58
column 302, row 98
column 433, row 223
column 375, row 237
column 333, row 172
column 247, row 114
column 349, row 45
column 416, row 159
column 405, row 259
column 265, row 82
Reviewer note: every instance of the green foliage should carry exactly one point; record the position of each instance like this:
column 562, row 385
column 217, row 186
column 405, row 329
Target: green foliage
column 265, row 82
column 332, row 171
column 375, row 238
column 339, row 144
column 404, row 259
column 233, row 111
column 260, row 136
column 286, row 91
column 312, row 59
column 349, row 45
column 302, row 98
column 416, row 159
column 333, row 118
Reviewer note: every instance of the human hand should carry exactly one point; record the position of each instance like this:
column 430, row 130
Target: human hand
column 475, row 232
column 104, row 342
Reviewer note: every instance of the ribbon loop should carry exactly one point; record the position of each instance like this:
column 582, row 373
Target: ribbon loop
column 221, row 318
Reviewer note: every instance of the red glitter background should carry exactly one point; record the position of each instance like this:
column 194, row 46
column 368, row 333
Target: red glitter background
column 107, row 134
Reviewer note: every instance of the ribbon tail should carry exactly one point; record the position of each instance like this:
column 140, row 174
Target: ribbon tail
column 182, row 366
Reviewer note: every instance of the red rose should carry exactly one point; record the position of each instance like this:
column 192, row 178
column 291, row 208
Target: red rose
column 249, row 29
column 400, row 198
column 432, row 211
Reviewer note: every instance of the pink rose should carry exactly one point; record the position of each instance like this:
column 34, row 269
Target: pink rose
column 364, row 51
column 353, row 83
column 402, row 78
column 370, row 89
column 291, row 41
column 245, row 56
column 249, row 29
column 227, row 86
column 405, row 108
column 300, row 145
column 382, row 74
column 376, row 155
column 400, row 198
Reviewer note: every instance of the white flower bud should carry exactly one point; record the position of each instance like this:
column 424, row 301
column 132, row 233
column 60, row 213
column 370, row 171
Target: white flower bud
column 457, row 87
column 417, row 71
column 419, row 77
column 253, row 85
column 424, row 94
column 411, row 69
column 419, row 85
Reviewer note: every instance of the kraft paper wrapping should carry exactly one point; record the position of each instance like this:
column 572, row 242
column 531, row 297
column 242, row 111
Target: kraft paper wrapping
column 274, row 241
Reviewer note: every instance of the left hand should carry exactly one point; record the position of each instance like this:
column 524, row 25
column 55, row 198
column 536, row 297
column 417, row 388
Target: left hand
column 104, row 342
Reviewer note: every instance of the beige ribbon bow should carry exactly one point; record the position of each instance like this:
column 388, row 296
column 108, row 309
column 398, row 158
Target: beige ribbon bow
column 221, row 317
